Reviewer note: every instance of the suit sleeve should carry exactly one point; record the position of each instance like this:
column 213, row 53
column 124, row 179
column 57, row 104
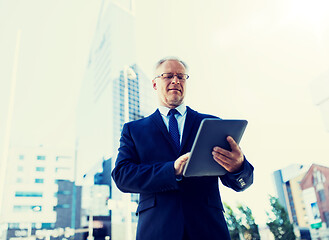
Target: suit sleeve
column 241, row 180
column 131, row 175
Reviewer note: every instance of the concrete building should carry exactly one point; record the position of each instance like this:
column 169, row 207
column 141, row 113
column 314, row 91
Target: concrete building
column 31, row 187
column 315, row 187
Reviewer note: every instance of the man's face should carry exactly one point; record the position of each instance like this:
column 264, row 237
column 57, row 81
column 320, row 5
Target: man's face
column 171, row 92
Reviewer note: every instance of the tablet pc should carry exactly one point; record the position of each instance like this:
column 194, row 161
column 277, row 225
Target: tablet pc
column 212, row 132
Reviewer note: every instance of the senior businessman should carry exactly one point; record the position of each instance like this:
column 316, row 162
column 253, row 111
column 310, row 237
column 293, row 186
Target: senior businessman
column 152, row 154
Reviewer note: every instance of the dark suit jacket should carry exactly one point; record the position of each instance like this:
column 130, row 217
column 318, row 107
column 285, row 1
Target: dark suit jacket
column 167, row 207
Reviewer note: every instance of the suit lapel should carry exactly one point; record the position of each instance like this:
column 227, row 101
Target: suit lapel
column 190, row 121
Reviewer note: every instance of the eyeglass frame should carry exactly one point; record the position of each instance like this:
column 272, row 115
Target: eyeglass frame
column 180, row 79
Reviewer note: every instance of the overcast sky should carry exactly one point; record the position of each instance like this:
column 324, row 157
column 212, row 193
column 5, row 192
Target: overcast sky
column 253, row 60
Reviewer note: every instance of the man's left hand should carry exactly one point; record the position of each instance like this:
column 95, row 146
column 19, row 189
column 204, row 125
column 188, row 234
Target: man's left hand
column 230, row 160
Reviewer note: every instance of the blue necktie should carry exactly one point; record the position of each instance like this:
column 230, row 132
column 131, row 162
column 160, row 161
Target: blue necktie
column 173, row 128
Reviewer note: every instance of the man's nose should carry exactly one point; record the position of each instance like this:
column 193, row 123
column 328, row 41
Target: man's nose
column 175, row 79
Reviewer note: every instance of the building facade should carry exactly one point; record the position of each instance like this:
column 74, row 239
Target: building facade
column 315, row 187
column 68, row 208
column 290, row 194
column 31, row 188
column 114, row 90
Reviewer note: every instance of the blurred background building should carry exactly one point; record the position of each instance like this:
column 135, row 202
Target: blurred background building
column 114, row 90
column 68, row 207
column 36, row 191
column 287, row 183
column 304, row 193
column 289, row 192
column 315, row 187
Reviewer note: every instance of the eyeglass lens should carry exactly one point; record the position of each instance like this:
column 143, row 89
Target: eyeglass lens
column 180, row 76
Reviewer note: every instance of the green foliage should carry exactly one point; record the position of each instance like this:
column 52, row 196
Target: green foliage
column 232, row 223
column 280, row 224
column 249, row 229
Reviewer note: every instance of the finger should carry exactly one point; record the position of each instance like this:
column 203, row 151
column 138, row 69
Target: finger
column 224, row 163
column 221, row 158
column 222, row 151
column 183, row 159
column 234, row 146
column 182, row 166
column 186, row 155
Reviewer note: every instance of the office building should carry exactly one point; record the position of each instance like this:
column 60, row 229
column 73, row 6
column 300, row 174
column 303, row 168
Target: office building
column 289, row 192
column 104, row 177
column 114, row 90
column 95, row 201
column 287, row 183
column 31, row 188
column 68, row 208
column 315, row 189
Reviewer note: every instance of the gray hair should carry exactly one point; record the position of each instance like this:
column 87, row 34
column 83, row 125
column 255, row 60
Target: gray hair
column 158, row 64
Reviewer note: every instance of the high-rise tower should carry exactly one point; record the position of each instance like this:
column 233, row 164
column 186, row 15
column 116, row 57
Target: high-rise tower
column 114, row 90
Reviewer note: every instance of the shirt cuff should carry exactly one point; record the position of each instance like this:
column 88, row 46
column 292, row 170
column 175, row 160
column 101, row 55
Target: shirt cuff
column 179, row 178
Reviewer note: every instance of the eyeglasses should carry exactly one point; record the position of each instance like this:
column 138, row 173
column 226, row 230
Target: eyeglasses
column 169, row 76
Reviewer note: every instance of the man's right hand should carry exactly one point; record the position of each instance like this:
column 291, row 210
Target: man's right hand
column 180, row 163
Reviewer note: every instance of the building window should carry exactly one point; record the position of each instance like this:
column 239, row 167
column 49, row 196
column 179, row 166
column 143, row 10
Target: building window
column 26, row 208
column 61, row 206
column 62, row 193
column 322, row 196
column 40, row 169
column 13, row 225
column 21, row 157
column 39, row 180
column 19, row 180
column 48, row 225
column 62, row 170
column 62, row 158
column 28, row 194
column 20, row 169
column 41, row 157
column 326, row 217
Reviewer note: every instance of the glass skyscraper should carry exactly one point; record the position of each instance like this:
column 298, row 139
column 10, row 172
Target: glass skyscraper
column 103, row 103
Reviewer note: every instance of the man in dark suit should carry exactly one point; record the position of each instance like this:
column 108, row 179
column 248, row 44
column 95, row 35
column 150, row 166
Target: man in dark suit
column 152, row 155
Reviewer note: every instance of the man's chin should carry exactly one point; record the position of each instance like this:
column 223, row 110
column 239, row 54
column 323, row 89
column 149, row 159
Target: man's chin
column 175, row 102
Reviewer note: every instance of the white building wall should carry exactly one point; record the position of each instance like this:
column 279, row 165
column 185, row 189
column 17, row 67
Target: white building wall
column 26, row 174
column 320, row 94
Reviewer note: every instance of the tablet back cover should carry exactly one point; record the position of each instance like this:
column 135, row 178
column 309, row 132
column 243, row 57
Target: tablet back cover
column 212, row 132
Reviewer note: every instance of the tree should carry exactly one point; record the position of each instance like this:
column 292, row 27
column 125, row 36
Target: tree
column 232, row 222
column 279, row 223
column 249, row 228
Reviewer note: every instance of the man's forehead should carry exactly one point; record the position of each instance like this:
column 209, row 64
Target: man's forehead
column 169, row 64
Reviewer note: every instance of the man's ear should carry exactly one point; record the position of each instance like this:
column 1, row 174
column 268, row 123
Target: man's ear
column 154, row 84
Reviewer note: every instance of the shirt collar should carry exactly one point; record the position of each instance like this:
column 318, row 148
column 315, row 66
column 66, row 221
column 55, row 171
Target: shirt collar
column 165, row 110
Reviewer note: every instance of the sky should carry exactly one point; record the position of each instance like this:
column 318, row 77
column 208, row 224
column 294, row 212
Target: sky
column 253, row 60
